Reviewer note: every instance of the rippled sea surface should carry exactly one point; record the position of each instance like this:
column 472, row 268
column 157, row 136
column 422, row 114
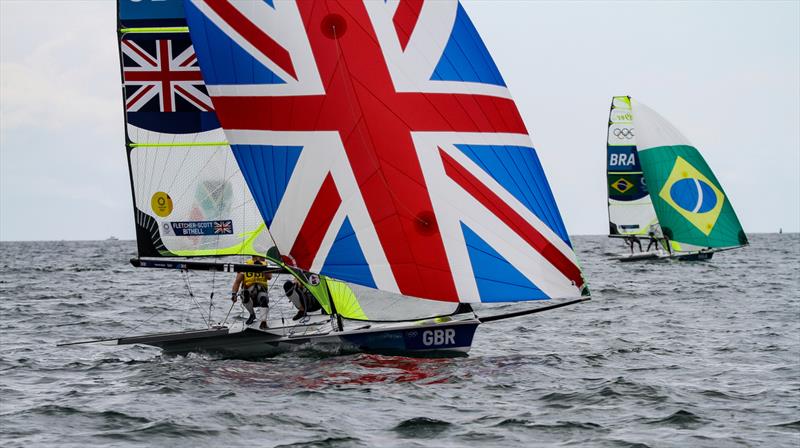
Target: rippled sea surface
column 667, row 354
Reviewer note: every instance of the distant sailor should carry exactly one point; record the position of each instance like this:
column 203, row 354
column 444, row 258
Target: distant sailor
column 301, row 298
column 654, row 233
column 631, row 240
column 653, row 241
column 254, row 292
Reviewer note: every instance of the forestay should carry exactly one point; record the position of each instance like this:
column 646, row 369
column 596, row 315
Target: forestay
column 189, row 194
column 382, row 147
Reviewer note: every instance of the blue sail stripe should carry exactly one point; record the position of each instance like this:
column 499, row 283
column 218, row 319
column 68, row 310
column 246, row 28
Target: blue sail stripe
column 267, row 170
column 465, row 57
column 346, row 260
column 534, row 166
column 496, row 278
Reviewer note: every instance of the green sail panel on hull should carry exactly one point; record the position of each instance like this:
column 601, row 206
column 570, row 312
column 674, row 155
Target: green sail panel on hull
column 691, row 205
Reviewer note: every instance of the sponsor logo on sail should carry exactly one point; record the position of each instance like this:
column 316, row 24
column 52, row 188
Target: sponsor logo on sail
column 626, row 133
column 693, row 195
column 161, row 204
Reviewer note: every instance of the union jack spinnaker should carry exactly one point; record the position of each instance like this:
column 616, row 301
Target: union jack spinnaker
column 371, row 142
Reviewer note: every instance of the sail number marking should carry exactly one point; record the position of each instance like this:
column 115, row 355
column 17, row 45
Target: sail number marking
column 439, row 337
column 622, row 159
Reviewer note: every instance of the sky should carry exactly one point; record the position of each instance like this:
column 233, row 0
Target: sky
column 727, row 74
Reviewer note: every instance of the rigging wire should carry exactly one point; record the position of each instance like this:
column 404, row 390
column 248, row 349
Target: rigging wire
column 191, row 295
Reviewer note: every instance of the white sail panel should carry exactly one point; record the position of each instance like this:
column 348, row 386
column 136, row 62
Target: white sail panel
column 198, row 199
column 630, row 210
column 653, row 130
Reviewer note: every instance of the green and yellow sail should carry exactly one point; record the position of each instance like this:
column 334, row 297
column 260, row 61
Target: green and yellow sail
column 692, row 207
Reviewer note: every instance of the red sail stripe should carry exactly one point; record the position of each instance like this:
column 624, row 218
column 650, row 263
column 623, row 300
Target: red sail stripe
column 166, row 57
column 162, row 76
column 511, row 218
column 316, row 224
column 405, row 19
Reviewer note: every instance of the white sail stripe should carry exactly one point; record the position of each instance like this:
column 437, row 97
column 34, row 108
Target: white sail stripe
column 445, row 87
column 292, row 89
column 298, row 197
column 200, row 105
column 356, row 209
column 135, row 106
column 416, row 63
column 449, row 223
column 699, row 195
column 428, row 140
column 412, row 68
column 328, row 240
column 161, row 98
column 191, row 88
column 390, row 5
column 144, row 63
column 175, row 62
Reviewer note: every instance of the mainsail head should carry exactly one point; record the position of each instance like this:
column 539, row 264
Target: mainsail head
column 382, row 147
column 691, row 205
column 190, row 198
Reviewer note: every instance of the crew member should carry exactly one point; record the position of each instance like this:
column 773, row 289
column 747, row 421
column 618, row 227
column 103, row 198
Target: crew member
column 653, row 241
column 633, row 239
column 301, row 298
column 254, row 290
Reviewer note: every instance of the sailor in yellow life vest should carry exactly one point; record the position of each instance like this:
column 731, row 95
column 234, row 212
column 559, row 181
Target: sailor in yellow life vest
column 254, row 290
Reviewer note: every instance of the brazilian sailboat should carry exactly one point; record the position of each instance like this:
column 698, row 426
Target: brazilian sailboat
column 661, row 192
column 371, row 150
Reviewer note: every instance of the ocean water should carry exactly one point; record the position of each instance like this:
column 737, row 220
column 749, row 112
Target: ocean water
column 666, row 354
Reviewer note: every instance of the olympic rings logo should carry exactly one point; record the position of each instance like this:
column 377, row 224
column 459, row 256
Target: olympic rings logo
column 623, row 133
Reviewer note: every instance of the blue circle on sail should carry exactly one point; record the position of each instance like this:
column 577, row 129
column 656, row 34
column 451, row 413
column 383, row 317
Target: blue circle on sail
column 693, row 195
